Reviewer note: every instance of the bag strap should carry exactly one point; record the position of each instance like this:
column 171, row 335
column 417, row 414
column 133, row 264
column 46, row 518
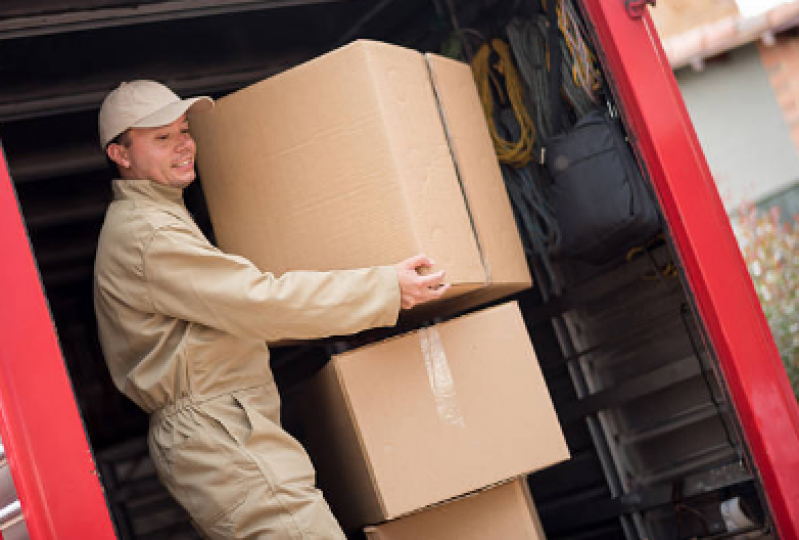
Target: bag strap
column 553, row 43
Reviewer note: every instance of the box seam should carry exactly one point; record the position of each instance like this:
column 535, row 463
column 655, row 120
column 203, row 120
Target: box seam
column 447, row 133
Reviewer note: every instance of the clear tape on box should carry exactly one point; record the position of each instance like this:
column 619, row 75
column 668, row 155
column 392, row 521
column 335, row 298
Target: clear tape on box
column 440, row 375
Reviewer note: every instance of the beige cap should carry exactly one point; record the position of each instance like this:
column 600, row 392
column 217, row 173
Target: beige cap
column 141, row 104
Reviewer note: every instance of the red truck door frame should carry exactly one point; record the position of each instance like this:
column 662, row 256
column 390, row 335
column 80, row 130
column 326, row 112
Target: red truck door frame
column 41, row 428
column 42, row 432
column 716, row 274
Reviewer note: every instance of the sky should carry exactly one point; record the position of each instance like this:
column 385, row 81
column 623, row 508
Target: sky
column 751, row 8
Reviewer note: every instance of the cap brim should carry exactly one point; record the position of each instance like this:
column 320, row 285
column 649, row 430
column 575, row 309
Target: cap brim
column 173, row 111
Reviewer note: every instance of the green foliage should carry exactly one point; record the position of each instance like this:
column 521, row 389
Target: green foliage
column 770, row 247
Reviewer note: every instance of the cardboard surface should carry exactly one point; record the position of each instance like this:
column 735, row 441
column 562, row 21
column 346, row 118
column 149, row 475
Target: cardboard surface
column 431, row 415
column 481, row 178
column 343, row 162
column 506, row 512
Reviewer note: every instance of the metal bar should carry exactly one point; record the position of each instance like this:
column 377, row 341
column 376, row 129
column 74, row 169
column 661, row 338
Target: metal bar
column 42, row 106
column 92, row 19
column 680, row 420
column 8, row 493
column 57, row 166
column 738, row 333
column 652, row 381
column 47, row 448
column 51, row 259
column 9, row 515
column 695, row 462
column 578, row 512
column 639, row 332
column 79, row 214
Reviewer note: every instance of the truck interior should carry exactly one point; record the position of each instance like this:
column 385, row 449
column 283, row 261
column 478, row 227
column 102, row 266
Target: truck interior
column 656, row 447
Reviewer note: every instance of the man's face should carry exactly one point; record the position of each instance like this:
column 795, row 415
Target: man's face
column 163, row 154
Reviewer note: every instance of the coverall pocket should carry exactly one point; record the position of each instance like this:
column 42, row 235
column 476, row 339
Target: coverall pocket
column 208, row 471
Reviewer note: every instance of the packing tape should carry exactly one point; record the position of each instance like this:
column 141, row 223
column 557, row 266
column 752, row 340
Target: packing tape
column 440, row 377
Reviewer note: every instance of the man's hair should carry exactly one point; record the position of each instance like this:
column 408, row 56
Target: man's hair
column 123, row 139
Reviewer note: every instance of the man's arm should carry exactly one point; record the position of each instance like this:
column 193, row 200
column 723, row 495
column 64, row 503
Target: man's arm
column 189, row 279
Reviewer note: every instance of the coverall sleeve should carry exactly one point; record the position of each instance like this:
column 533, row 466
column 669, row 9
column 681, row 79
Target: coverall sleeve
column 189, row 279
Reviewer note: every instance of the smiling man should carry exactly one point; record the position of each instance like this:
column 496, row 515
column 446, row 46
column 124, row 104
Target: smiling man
column 183, row 329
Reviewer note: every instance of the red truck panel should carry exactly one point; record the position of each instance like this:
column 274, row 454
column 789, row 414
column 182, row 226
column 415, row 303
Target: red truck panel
column 45, row 442
column 717, row 276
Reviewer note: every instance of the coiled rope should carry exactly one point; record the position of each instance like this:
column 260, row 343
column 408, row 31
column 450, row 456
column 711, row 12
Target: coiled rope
column 489, row 78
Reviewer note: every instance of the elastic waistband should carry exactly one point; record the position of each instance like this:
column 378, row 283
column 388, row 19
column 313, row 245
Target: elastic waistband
column 179, row 404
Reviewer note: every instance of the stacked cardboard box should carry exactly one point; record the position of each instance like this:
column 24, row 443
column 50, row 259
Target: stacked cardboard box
column 366, row 156
column 425, row 417
column 505, row 512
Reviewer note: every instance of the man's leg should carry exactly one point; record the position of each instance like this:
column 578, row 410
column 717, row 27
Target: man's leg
column 238, row 474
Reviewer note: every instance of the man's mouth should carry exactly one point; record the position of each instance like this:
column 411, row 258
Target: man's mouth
column 184, row 163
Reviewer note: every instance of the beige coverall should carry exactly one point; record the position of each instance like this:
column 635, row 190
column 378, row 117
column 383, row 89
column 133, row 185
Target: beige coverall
column 182, row 327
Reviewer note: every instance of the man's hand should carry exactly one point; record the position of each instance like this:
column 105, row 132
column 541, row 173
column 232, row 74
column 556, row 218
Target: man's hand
column 417, row 289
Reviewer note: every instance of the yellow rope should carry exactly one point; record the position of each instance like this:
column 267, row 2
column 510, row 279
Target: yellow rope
column 515, row 153
column 584, row 71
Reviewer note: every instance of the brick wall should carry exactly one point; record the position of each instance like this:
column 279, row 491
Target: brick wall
column 781, row 61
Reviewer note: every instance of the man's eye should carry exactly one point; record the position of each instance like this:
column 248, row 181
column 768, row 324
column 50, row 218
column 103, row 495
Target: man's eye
column 162, row 137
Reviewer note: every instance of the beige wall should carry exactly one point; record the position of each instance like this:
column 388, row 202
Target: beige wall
column 674, row 17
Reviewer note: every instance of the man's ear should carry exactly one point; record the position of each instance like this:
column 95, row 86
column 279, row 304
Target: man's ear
column 118, row 154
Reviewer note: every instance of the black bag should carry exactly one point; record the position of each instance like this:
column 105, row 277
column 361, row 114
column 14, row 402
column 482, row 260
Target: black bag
column 598, row 195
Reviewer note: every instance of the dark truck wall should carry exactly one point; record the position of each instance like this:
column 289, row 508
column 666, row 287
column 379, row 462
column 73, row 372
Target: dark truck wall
column 655, row 447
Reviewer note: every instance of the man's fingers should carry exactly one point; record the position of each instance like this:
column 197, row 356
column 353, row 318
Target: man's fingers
column 438, row 292
column 416, row 261
column 432, row 280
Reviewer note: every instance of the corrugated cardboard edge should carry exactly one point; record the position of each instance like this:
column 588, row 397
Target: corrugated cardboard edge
column 371, row 532
column 349, row 471
column 515, row 277
column 533, row 509
column 448, row 134
column 473, row 493
column 354, row 420
column 481, row 180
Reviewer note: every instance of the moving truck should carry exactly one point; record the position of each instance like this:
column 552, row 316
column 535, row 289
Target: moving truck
column 670, row 391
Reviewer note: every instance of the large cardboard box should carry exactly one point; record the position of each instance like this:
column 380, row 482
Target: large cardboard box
column 364, row 156
column 430, row 415
column 505, row 512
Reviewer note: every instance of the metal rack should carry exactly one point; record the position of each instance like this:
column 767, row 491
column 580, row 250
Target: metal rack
column 12, row 521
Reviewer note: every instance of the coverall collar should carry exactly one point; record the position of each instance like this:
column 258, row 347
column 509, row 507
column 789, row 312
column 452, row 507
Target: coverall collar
column 147, row 189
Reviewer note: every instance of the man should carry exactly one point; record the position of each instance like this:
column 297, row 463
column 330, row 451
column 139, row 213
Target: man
column 183, row 329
